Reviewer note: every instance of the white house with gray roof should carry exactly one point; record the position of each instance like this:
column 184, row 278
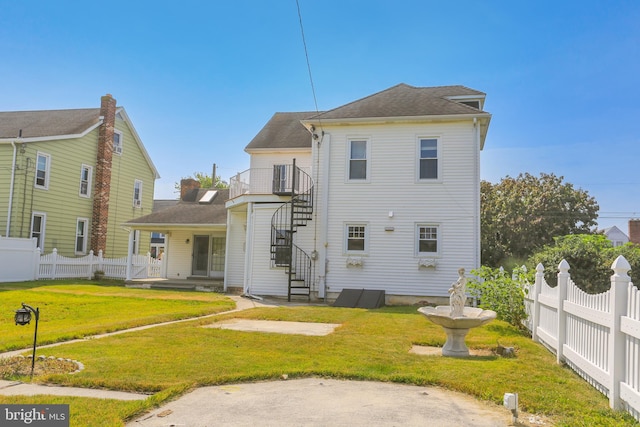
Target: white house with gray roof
column 382, row 194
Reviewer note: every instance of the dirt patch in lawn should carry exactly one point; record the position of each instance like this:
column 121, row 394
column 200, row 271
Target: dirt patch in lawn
column 12, row 367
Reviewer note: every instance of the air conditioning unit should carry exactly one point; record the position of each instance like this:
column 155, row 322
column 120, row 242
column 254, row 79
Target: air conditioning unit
column 137, row 203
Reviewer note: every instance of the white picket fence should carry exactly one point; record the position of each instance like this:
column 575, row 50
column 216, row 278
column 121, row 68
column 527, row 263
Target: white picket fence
column 54, row 266
column 598, row 336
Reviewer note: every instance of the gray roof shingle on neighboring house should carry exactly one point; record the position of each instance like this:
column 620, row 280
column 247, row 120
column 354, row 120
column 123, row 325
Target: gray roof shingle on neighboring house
column 190, row 212
column 283, row 130
column 403, row 100
column 47, row 123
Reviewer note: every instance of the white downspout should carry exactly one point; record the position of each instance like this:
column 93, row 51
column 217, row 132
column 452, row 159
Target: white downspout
column 476, row 194
column 248, row 250
column 13, row 174
column 323, row 213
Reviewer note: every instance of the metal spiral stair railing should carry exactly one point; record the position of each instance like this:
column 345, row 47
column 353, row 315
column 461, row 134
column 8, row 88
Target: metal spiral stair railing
column 297, row 212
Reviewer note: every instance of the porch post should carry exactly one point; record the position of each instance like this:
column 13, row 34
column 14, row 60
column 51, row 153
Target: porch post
column 129, row 255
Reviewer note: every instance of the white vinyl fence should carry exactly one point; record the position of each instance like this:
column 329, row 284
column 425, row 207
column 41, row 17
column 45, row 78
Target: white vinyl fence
column 18, row 259
column 598, row 336
column 54, row 266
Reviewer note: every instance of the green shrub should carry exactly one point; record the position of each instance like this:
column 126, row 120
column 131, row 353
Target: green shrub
column 496, row 290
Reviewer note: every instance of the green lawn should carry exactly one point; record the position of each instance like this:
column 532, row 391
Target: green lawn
column 369, row 345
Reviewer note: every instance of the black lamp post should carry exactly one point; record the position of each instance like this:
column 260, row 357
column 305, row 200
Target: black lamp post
column 23, row 317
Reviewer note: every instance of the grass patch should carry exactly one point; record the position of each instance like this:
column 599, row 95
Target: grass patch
column 369, row 345
column 79, row 309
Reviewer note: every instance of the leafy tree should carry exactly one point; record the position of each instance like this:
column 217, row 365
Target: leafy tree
column 520, row 215
column 501, row 292
column 589, row 257
column 204, row 180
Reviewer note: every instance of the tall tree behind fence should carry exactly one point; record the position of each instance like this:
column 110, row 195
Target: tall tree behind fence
column 598, row 336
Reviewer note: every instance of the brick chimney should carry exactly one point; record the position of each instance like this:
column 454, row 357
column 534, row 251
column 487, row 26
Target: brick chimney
column 634, row 231
column 187, row 187
column 100, row 219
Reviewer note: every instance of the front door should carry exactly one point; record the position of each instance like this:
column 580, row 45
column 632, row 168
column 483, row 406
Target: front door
column 200, row 256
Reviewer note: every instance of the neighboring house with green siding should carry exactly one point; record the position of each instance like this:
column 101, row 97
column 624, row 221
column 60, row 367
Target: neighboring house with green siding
column 71, row 178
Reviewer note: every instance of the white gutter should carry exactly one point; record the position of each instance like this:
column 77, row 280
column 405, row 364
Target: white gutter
column 13, row 174
column 476, row 194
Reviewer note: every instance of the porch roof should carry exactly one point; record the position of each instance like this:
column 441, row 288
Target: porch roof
column 189, row 213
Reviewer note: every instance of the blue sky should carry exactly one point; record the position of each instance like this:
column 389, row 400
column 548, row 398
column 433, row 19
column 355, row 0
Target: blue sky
column 200, row 78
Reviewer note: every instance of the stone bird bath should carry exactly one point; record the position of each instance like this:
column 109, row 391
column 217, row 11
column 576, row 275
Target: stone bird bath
column 456, row 319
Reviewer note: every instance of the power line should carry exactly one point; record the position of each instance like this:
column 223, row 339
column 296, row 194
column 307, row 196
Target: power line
column 306, row 54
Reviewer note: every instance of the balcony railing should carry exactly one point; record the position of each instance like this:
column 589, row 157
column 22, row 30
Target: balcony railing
column 261, row 181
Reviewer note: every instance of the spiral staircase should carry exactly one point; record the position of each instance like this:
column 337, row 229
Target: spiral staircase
column 290, row 180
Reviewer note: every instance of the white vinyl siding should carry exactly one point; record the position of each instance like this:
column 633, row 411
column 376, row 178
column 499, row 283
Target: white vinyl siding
column 43, row 168
column 451, row 203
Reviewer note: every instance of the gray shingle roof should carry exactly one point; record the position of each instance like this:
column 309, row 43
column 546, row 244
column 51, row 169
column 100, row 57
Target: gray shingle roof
column 189, row 212
column 406, row 101
column 283, row 130
column 47, row 123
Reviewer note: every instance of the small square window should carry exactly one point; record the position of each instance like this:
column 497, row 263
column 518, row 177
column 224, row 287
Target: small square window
column 356, row 238
column 427, row 239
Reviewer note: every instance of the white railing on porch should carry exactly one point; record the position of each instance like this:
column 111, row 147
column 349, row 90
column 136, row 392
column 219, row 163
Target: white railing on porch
column 55, row 266
column 598, row 336
column 254, row 181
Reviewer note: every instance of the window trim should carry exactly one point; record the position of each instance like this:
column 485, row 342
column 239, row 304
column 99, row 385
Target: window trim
column 367, row 159
column 89, row 180
column 137, row 201
column 438, row 178
column 438, row 239
column 85, row 221
column 42, row 232
column 366, row 238
column 47, row 172
column 120, row 140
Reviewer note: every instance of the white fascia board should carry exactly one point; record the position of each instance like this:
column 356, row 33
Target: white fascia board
column 277, row 150
column 121, row 111
column 400, row 119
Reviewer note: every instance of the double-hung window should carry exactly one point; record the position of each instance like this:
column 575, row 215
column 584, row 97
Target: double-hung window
column 427, row 239
column 38, row 223
column 137, row 193
column 356, row 238
column 82, row 226
column 43, row 164
column 85, row 180
column 117, row 142
column 358, row 160
column 428, row 159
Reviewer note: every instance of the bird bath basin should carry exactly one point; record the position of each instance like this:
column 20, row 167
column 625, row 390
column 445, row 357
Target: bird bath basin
column 457, row 327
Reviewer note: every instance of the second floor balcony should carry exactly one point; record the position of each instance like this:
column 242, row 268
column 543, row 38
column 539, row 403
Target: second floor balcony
column 277, row 180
